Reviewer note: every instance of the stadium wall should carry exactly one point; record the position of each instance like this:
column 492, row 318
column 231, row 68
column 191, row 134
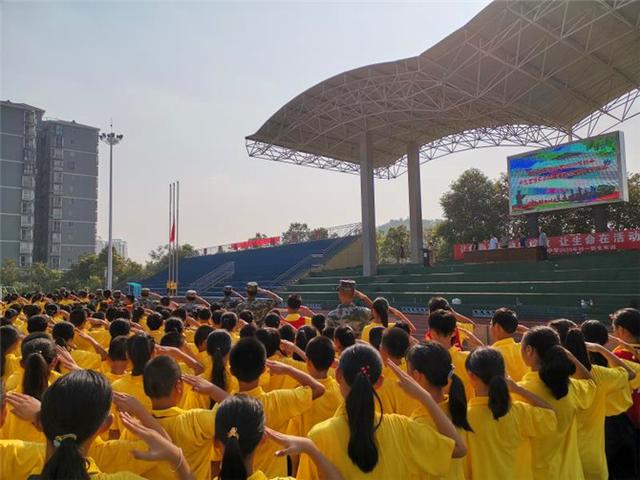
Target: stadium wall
column 348, row 257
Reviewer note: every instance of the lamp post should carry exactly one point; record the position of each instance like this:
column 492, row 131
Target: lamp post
column 110, row 139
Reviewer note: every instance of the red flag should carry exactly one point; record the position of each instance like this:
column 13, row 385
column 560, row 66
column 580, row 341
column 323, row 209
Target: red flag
column 172, row 233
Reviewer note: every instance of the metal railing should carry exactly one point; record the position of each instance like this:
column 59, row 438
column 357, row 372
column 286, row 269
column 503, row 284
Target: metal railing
column 214, row 277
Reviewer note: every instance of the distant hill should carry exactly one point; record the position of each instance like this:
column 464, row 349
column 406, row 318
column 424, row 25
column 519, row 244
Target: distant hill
column 426, row 224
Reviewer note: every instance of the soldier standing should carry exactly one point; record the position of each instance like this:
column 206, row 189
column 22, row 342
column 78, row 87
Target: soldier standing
column 231, row 298
column 348, row 313
column 259, row 307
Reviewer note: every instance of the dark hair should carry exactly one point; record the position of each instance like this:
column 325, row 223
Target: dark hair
column 137, row 313
column 76, row 404
column 9, row 336
column 434, row 361
column 270, row 338
column 239, row 426
column 172, row 339
column 180, row 312
column 62, row 333
column 119, row 327
column 51, row 309
column 329, row 332
column 345, row 335
column 247, row 359
column 381, row 307
column 200, row 337
column 287, row 332
column 506, row 318
column 249, row 330
column 487, row 364
column 303, row 336
column 160, row 376
column 271, row 320
column 396, row 342
column 403, row 326
column 294, row 302
column 38, row 353
column 218, row 346
column 595, row 331
column 30, row 310
column 229, row 321
column 321, row 353
column 246, row 315
column 438, row 303
column 572, row 339
column 216, row 315
column 629, row 319
column 375, row 336
column 361, row 367
column 139, row 350
column 154, row 321
column 204, row 314
column 173, row 324
column 555, row 368
column 319, row 321
column 118, row 349
column 78, row 317
column 37, row 323
column 442, row 321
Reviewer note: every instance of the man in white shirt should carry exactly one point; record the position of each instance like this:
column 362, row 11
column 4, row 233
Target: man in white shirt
column 493, row 243
column 543, row 242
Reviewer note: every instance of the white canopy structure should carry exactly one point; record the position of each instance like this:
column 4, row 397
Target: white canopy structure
column 525, row 73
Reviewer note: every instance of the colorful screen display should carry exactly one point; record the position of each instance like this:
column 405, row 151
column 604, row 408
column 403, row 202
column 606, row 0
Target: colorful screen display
column 577, row 174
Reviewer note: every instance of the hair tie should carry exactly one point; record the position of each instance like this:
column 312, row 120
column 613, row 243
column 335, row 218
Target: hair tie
column 451, row 372
column 233, row 432
column 365, row 370
column 57, row 441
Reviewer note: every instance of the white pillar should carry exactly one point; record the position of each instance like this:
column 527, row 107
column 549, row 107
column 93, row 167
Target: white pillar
column 415, row 202
column 367, row 193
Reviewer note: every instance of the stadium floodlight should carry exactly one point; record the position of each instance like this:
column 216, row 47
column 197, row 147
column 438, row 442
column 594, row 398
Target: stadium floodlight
column 110, row 139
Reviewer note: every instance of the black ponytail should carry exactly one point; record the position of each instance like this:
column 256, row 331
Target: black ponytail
column 38, row 353
column 381, row 306
column 555, row 366
column 8, row 338
column 574, row 342
column 361, row 368
column 218, row 346
column 62, row 334
column 434, row 362
column 487, row 364
column 139, row 351
column 72, row 411
column 239, row 426
column 595, row 331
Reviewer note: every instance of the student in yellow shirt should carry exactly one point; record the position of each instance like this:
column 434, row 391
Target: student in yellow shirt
column 613, row 396
column 463, row 324
column 297, row 314
column 380, row 311
column 117, row 363
column 229, row 322
column 271, row 340
column 504, row 325
column 80, row 320
column 362, row 443
column 240, row 429
column 393, row 348
column 500, row 426
column 200, row 343
column 442, row 329
column 9, row 343
column 63, row 333
column 430, row 365
column 191, row 430
column 552, row 368
column 343, row 338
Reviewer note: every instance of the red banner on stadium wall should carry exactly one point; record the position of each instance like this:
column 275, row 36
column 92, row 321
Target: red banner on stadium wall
column 571, row 243
column 256, row 243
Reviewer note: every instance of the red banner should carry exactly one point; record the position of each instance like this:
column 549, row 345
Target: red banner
column 571, row 243
column 256, row 243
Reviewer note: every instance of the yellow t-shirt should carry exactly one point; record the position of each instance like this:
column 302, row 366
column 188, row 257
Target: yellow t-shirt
column 393, row 398
column 613, row 396
column 493, row 446
column 458, row 358
column 113, row 456
column 322, row 408
column 406, row 448
column 19, row 459
column 282, row 382
column 99, row 334
column 86, row 359
column 279, row 407
column 197, row 400
column 556, row 455
column 513, row 361
column 259, row 475
column 95, row 473
column 366, row 331
column 458, row 465
column 192, row 431
column 11, row 365
column 132, row 386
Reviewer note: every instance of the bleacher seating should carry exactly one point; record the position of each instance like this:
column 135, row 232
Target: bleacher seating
column 271, row 267
column 576, row 287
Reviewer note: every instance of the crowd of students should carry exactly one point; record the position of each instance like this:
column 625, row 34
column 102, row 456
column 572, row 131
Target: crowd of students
column 114, row 387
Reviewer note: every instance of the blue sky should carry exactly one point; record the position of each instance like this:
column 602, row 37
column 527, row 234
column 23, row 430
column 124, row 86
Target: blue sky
column 186, row 82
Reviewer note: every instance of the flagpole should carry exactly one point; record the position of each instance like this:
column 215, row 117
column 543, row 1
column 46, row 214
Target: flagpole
column 177, row 235
column 169, row 251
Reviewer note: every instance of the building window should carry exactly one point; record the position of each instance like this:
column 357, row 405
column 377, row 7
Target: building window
column 26, row 234
column 57, row 201
column 57, row 213
column 54, row 262
column 59, row 141
column 71, row 164
column 59, row 130
column 24, row 261
column 56, row 227
column 58, row 177
column 26, row 208
column 57, row 153
column 58, row 165
column 57, row 188
column 28, row 168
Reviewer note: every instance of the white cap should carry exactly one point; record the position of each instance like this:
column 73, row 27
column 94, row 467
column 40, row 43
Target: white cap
column 191, row 292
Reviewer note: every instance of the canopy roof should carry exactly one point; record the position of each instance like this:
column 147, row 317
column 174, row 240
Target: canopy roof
column 520, row 72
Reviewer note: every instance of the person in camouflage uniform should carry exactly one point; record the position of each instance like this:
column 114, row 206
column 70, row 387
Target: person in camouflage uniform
column 259, row 307
column 192, row 301
column 147, row 299
column 348, row 313
column 231, row 298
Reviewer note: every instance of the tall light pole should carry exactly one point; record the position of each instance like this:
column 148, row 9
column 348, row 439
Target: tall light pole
column 110, row 139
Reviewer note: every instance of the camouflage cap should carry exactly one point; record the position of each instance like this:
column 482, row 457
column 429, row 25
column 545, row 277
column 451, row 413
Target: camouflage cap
column 347, row 286
column 252, row 285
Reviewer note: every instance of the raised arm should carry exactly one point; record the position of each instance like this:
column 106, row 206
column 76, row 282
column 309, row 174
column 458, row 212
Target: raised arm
column 530, row 397
column 581, row 371
column 200, row 385
column 403, row 318
column 181, row 356
column 361, row 296
column 613, row 360
column 303, row 378
column 233, row 292
column 94, row 343
column 270, row 294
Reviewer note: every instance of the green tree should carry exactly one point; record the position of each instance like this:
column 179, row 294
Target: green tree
column 395, row 243
column 297, row 232
column 160, row 258
column 89, row 271
column 627, row 214
column 9, row 273
column 320, row 233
